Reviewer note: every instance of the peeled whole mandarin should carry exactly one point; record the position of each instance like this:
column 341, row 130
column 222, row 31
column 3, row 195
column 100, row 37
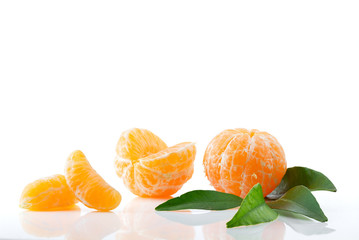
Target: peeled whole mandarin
column 237, row 159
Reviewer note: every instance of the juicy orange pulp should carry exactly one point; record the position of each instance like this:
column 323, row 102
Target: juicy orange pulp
column 49, row 193
column 237, row 159
column 148, row 167
column 89, row 187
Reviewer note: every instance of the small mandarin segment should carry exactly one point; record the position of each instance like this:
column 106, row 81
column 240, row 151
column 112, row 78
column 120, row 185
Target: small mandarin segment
column 89, row 187
column 237, row 159
column 164, row 173
column 134, row 144
column 137, row 143
column 49, row 193
column 148, row 167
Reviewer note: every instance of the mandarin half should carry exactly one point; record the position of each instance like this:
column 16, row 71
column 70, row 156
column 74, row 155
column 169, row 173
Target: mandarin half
column 237, row 159
column 148, row 167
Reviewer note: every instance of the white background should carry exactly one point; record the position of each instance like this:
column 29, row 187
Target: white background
column 74, row 75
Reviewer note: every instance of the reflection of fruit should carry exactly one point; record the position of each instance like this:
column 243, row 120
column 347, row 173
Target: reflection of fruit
column 47, row 194
column 48, row 224
column 216, row 231
column 237, row 159
column 148, row 167
column 139, row 221
column 268, row 231
column 89, row 187
column 274, row 230
column 94, row 225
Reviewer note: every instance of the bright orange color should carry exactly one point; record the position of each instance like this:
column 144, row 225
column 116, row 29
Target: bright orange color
column 89, row 187
column 49, row 193
column 148, row 167
column 237, row 159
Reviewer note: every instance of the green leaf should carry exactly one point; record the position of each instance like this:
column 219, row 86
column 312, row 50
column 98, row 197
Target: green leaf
column 300, row 200
column 201, row 199
column 310, row 178
column 253, row 210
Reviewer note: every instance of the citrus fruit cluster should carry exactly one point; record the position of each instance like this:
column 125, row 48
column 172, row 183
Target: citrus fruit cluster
column 234, row 161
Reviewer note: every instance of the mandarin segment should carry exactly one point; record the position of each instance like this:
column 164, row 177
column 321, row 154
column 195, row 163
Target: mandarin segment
column 89, row 187
column 148, row 167
column 49, row 193
column 172, row 159
column 155, row 184
column 214, row 152
column 237, row 159
column 137, row 143
column 134, row 144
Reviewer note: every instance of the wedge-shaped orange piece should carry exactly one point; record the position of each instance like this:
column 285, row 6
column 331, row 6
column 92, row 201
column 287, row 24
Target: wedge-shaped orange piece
column 151, row 169
column 49, row 193
column 89, row 187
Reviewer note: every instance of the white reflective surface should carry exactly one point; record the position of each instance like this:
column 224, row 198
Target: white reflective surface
column 137, row 219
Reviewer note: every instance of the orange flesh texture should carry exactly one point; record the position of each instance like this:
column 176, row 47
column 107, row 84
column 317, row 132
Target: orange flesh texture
column 134, row 144
column 168, row 174
column 89, row 187
column 237, row 159
column 137, row 143
column 158, row 171
column 49, row 193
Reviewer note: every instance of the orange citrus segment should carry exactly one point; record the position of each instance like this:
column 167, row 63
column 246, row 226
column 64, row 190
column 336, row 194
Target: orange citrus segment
column 213, row 154
column 137, row 143
column 153, row 184
column 160, row 172
column 89, row 187
column 121, row 165
column 172, row 159
column 236, row 159
column 134, row 144
column 49, row 193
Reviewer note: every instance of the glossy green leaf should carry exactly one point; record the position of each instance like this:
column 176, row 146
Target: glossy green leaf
column 201, row 199
column 310, row 178
column 299, row 200
column 253, row 210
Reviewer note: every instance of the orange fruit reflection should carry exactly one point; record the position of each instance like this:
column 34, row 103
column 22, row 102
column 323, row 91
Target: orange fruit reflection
column 267, row 231
column 48, row 224
column 148, row 167
column 89, row 187
column 140, row 221
column 237, row 159
column 94, row 226
column 274, row 230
